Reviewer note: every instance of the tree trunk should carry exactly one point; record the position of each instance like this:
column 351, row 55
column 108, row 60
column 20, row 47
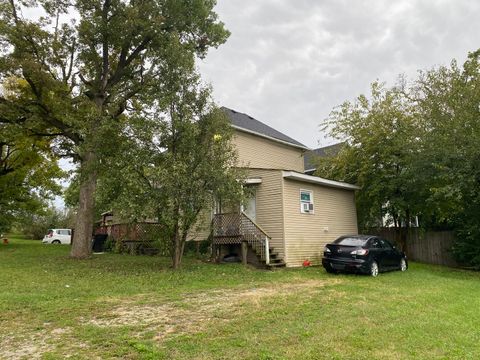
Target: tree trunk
column 179, row 246
column 395, row 222
column 176, row 242
column 407, row 230
column 82, row 237
column 177, row 257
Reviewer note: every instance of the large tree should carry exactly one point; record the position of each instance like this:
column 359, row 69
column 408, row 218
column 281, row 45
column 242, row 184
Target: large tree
column 176, row 159
column 448, row 100
column 86, row 76
column 28, row 167
column 381, row 142
column 414, row 149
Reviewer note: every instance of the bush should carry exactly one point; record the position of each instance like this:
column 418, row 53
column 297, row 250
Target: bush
column 203, row 247
column 466, row 249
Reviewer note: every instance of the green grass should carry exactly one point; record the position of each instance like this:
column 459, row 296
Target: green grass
column 120, row 306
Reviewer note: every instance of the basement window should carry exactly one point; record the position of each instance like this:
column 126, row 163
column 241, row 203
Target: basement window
column 306, row 201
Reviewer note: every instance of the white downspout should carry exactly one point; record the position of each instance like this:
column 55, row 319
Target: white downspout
column 267, row 251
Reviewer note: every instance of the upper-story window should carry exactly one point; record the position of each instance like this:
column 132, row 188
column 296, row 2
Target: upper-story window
column 306, row 201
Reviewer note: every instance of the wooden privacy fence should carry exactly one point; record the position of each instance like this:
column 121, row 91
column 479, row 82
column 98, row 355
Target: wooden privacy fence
column 431, row 247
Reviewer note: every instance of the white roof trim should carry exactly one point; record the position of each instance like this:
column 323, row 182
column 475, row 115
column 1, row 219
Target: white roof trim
column 270, row 137
column 250, row 181
column 318, row 180
column 312, row 169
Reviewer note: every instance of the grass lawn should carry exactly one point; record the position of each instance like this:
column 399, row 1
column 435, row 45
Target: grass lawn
column 133, row 307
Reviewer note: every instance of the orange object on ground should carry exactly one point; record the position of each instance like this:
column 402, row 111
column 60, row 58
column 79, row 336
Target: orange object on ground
column 307, row 263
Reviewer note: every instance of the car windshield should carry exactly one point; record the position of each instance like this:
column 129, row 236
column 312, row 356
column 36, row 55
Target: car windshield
column 350, row 241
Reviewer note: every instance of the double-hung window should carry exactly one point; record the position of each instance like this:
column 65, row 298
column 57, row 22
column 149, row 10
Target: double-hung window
column 306, row 201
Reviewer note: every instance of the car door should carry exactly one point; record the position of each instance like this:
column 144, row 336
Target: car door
column 377, row 252
column 390, row 255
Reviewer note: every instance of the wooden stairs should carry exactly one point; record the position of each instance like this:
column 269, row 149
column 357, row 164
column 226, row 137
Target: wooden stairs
column 238, row 228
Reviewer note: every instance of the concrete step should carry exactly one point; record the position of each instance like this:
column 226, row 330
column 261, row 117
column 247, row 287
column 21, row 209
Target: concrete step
column 276, row 265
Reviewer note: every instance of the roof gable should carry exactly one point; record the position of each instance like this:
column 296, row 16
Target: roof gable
column 244, row 122
column 323, row 152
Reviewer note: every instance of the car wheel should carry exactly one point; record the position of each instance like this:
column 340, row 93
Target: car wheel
column 56, row 242
column 403, row 265
column 374, row 269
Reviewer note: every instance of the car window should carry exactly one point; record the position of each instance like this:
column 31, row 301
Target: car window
column 63, row 232
column 375, row 244
column 386, row 244
column 350, row 241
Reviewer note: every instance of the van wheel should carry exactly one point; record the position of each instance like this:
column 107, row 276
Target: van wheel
column 56, row 242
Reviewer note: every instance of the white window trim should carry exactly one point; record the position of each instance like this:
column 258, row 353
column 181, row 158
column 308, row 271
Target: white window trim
column 311, row 202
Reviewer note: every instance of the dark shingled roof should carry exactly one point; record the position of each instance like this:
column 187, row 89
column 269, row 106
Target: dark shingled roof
column 327, row 151
column 248, row 123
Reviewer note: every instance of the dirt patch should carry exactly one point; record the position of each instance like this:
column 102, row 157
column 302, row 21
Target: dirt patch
column 24, row 347
column 192, row 314
column 34, row 345
column 195, row 311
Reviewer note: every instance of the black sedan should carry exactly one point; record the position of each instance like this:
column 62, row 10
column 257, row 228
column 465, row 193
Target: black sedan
column 363, row 254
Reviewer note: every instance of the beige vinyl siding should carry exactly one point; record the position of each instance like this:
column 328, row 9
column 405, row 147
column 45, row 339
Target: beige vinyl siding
column 201, row 230
column 269, row 212
column 257, row 152
column 306, row 234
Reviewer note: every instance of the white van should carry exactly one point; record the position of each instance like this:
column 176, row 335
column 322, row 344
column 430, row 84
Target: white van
column 58, row 236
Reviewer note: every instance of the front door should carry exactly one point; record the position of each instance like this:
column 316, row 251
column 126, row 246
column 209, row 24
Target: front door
column 249, row 207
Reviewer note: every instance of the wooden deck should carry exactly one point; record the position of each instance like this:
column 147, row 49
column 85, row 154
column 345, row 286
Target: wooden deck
column 239, row 229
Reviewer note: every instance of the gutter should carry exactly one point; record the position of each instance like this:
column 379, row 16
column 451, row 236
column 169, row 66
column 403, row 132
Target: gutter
column 303, row 147
column 293, row 175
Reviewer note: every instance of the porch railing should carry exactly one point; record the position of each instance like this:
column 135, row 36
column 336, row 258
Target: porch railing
column 233, row 228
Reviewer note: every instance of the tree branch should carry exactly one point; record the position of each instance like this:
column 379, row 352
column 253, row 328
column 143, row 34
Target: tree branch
column 125, row 61
column 105, row 62
column 14, row 11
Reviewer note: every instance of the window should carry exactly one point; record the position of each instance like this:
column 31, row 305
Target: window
column 306, row 201
column 350, row 241
column 375, row 244
column 386, row 244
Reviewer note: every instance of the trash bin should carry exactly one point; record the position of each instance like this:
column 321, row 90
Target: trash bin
column 99, row 242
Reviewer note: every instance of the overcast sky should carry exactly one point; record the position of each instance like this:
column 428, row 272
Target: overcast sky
column 289, row 62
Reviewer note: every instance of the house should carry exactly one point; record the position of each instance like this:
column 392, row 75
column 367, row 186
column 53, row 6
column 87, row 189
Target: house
column 290, row 215
column 311, row 156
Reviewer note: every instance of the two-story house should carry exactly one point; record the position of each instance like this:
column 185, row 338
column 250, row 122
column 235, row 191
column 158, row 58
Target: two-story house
column 290, row 215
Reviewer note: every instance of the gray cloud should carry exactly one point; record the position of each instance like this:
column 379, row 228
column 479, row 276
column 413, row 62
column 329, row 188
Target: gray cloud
column 288, row 63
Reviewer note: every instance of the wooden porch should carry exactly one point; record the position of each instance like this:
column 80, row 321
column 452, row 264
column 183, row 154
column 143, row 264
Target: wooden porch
column 238, row 231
